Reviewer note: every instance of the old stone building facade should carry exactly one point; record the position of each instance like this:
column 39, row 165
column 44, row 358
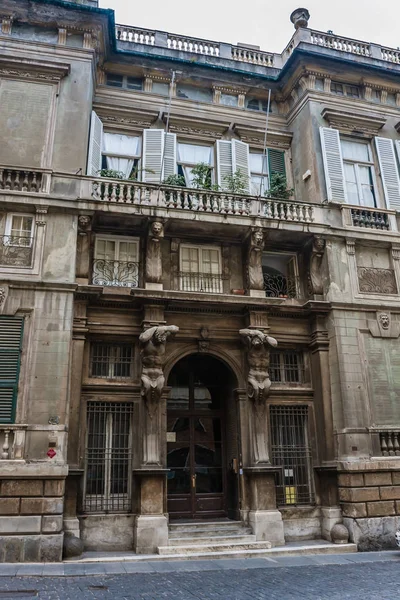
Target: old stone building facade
column 184, row 343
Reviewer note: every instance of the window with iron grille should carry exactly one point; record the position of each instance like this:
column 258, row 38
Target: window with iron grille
column 286, row 367
column 111, row 361
column 290, row 450
column 108, row 460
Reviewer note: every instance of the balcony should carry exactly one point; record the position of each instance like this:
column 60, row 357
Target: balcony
column 279, row 286
column 369, row 218
column 16, row 251
column 24, row 180
column 201, row 282
column 376, row 281
column 115, row 273
column 389, row 442
column 133, row 193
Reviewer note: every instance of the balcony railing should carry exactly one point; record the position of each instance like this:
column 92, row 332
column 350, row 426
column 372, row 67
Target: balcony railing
column 204, row 201
column 201, row 282
column 12, row 441
column 370, row 219
column 115, row 273
column 343, row 44
column 279, row 286
column 16, row 251
column 389, row 443
column 376, row 281
column 20, row 180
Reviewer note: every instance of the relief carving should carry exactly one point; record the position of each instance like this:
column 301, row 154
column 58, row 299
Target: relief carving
column 153, row 255
column 258, row 353
column 315, row 282
column 384, row 326
column 153, row 342
column 254, row 260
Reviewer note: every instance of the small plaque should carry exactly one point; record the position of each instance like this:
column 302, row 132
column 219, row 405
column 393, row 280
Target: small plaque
column 171, row 436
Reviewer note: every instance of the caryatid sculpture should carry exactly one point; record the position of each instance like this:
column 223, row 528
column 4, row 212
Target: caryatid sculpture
column 153, row 255
column 258, row 352
column 153, row 342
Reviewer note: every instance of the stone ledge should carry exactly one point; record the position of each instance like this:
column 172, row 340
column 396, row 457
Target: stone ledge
column 13, row 525
column 31, row 548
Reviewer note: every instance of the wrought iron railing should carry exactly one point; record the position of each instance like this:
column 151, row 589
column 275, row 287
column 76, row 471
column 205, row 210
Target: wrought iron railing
column 201, row 282
column 389, row 443
column 370, row 219
column 115, row 273
column 279, row 286
column 376, row 281
column 16, row 251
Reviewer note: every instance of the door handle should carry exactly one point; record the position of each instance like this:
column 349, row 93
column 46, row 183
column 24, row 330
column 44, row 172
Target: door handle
column 194, row 481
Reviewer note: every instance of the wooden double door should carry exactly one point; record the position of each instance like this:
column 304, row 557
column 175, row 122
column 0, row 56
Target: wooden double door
column 196, row 457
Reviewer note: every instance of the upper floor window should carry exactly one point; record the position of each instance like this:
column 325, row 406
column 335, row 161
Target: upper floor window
column 17, row 244
column 257, row 104
column 121, row 154
column 280, row 275
column 342, row 89
column 191, row 92
column 160, row 87
column 228, row 99
column 116, row 262
column 123, row 81
column 190, row 155
column 200, row 269
column 358, row 172
column 263, row 167
column 111, row 361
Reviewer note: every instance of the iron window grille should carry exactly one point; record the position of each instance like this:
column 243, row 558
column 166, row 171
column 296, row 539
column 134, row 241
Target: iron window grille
column 290, row 450
column 108, row 458
column 286, row 367
column 111, row 361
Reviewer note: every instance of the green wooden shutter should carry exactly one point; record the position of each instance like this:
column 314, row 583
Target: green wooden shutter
column 11, row 329
column 276, row 162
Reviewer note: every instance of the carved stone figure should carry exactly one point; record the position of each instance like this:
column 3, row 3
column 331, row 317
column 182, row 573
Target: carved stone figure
column 84, row 223
column 384, row 320
column 384, row 326
column 254, row 258
column 258, row 352
column 315, row 271
column 204, row 341
column 153, row 255
column 153, row 342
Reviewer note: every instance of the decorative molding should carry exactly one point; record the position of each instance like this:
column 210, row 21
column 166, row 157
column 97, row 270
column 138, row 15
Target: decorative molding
column 351, row 247
column 350, row 122
column 195, row 131
column 40, row 218
column 62, row 36
column 395, row 252
column 125, row 121
column 25, row 69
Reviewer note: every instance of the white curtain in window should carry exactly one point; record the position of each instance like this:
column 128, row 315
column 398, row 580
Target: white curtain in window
column 121, row 145
column 191, row 154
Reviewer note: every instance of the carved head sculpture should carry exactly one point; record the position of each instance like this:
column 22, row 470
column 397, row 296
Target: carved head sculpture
column 384, row 320
column 157, row 229
column 318, row 244
column 83, row 222
column 257, row 238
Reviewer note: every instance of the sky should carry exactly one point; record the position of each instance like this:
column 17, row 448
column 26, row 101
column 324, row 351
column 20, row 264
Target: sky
column 262, row 22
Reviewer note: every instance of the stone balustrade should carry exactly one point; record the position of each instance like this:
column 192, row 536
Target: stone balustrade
column 369, row 218
column 24, row 180
column 389, row 443
column 254, row 56
column 12, row 442
column 203, row 201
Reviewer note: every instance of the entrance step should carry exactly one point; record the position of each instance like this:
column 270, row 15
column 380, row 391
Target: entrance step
column 210, row 539
column 214, row 547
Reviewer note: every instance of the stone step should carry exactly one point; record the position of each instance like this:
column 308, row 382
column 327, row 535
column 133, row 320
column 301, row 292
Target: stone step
column 206, row 525
column 205, row 541
column 186, row 532
column 232, row 546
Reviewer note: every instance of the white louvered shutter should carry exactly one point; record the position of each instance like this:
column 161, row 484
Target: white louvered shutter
column 153, row 143
column 170, row 165
column 389, row 173
column 333, row 164
column 95, row 145
column 241, row 161
column 224, row 162
column 397, row 146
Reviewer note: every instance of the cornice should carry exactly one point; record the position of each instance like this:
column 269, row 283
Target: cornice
column 32, row 69
column 368, row 123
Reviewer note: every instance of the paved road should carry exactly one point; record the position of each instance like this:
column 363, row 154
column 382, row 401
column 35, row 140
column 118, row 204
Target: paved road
column 372, row 576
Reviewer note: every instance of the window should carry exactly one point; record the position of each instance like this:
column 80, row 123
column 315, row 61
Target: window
column 257, row 104
column 190, row 92
column 111, row 361
column 280, row 275
column 200, row 269
column 108, row 460
column 11, row 330
column 190, row 155
column 160, row 88
column 286, row 367
column 228, row 99
column 121, row 153
column 116, row 262
column 290, row 450
column 263, row 167
column 352, row 91
column 122, row 81
column 358, row 167
column 17, row 246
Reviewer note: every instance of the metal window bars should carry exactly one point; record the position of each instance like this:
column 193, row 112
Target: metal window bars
column 111, row 361
column 108, row 458
column 286, row 367
column 280, row 286
column 115, row 273
column 290, row 450
column 201, row 282
column 16, row 251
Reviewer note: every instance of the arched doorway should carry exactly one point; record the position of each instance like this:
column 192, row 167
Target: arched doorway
column 202, row 444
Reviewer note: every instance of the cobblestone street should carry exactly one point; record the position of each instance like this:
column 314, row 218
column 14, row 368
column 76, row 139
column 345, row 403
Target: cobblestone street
column 369, row 576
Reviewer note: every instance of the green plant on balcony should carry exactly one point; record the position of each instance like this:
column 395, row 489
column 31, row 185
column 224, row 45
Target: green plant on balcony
column 112, row 174
column 175, row 180
column 237, row 183
column 201, row 178
column 278, row 188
